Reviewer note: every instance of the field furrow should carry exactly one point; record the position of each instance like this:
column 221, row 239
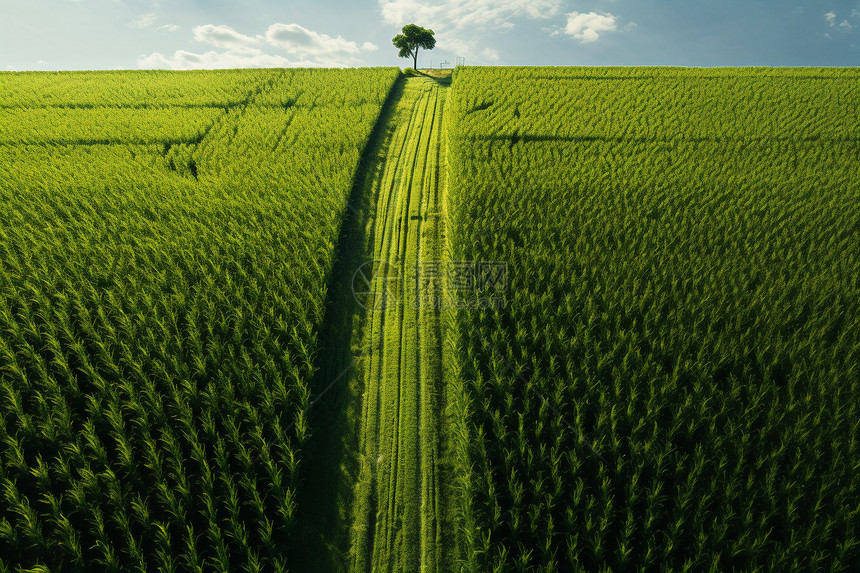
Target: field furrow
column 396, row 518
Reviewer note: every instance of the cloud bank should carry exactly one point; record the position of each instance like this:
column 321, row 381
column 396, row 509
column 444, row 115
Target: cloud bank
column 309, row 45
column 300, row 47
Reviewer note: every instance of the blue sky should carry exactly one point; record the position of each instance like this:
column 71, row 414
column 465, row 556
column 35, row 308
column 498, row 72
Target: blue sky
column 182, row 34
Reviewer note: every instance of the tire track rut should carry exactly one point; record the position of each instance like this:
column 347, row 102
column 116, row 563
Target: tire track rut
column 397, row 516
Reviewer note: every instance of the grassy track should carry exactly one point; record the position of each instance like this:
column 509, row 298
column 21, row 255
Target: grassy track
column 398, row 511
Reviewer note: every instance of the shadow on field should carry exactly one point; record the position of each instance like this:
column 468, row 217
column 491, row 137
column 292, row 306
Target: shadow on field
column 330, row 462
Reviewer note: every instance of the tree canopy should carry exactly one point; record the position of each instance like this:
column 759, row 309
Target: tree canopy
column 413, row 38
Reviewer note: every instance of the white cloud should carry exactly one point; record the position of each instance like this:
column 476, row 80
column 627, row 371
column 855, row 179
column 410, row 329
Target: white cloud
column 587, row 27
column 461, row 25
column 490, row 54
column 145, row 20
column 11, row 68
column 465, row 13
column 843, row 26
column 307, row 44
column 304, row 48
column 168, row 28
column 223, row 37
column 184, row 60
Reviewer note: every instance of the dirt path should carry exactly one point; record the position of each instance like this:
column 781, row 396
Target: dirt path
column 398, row 513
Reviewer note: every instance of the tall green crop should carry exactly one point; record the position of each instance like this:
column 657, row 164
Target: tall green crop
column 672, row 382
column 166, row 242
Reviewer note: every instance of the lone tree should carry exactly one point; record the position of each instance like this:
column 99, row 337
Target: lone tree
column 412, row 38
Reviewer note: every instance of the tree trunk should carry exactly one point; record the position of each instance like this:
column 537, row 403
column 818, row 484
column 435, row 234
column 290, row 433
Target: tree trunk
column 415, row 59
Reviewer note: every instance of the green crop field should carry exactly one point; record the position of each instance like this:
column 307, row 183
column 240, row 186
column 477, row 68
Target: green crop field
column 353, row 320
column 167, row 241
column 674, row 382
